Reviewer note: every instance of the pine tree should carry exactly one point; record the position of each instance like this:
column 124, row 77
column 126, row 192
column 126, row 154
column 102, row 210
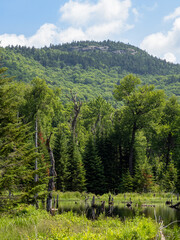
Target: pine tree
column 16, row 151
column 95, row 179
column 61, row 159
column 76, row 178
column 126, row 182
column 170, row 177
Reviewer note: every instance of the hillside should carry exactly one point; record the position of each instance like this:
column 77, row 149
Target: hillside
column 90, row 68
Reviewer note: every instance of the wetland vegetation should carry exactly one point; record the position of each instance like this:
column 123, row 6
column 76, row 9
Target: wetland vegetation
column 120, row 140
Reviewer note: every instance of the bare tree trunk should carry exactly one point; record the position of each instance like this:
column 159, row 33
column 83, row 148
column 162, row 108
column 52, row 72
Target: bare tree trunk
column 77, row 108
column 36, row 146
column 52, row 175
column 52, row 171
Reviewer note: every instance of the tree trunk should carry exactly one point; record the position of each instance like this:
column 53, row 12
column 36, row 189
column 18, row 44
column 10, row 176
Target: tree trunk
column 52, row 171
column 36, row 146
column 49, row 202
column 77, row 108
column 52, row 175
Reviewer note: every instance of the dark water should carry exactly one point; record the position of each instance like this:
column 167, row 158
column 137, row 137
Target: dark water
column 159, row 212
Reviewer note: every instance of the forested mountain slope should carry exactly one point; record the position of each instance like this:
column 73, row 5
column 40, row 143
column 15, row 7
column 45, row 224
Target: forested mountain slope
column 90, row 68
column 97, row 145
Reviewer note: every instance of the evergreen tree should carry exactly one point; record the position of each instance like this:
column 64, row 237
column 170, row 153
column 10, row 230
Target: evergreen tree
column 76, row 177
column 16, row 150
column 95, row 180
column 170, row 178
column 61, row 158
column 126, row 182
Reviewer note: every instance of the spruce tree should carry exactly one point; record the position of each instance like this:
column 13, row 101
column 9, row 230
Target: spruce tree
column 16, row 150
column 76, row 172
column 61, row 158
column 95, row 179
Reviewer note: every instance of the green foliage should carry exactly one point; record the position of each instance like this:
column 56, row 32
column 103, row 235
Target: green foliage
column 94, row 169
column 32, row 224
column 61, row 159
column 105, row 145
column 170, row 178
column 127, row 86
column 143, row 179
column 76, row 177
column 15, row 149
column 92, row 68
column 126, row 183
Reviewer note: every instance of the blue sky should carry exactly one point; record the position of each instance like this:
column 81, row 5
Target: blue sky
column 152, row 25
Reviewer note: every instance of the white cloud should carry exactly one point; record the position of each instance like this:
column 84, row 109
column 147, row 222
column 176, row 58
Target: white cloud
column 44, row 36
column 85, row 13
column 75, row 13
column 97, row 21
column 166, row 46
column 136, row 13
column 71, row 34
column 169, row 57
column 173, row 15
column 152, row 7
column 83, row 20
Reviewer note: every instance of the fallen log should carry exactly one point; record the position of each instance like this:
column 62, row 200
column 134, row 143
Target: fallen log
column 175, row 206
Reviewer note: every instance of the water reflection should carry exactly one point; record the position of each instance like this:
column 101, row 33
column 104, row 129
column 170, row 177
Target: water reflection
column 163, row 212
column 159, row 212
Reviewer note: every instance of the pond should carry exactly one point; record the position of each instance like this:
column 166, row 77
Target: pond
column 157, row 211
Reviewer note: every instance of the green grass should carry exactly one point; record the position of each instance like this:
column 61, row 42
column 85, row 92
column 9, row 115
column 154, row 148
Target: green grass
column 144, row 198
column 31, row 224
column 27, row 223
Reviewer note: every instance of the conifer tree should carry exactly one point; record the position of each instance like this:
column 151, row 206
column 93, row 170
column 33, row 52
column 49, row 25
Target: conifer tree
column 170, row 177
column 16, row 149
column 95, row 180
column 126, row 182
column 76, row 177
column 61, row 158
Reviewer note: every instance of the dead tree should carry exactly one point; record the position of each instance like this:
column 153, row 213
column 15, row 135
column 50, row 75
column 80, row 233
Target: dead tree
column 77, row 108
column 176, row 206
column 36, row 146
column 52, row 174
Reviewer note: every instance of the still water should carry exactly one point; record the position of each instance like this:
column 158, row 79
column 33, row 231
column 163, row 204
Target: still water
column 157, row 212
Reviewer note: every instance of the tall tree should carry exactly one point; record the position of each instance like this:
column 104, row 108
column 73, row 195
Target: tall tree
column 141, row 106
column 39, row 110
column 76, row 180
column 95, row 180
column 16, row 150
column 60, row 151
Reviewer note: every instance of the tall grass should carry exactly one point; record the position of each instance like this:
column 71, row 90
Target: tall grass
column 145, row 198
column 27, row 223
column 32, row 224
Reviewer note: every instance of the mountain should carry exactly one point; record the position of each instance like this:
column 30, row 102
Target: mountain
column 90, row 68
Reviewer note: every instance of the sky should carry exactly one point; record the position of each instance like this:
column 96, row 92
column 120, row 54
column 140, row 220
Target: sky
column 152, row 25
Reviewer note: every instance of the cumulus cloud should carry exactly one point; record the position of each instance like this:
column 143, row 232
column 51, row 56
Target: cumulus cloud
column 173, row 15
column 85, row 13
column 97, row 21
column 166, row 46
column 136, row 13
column 83, row 20
column 43, row 37
column 169, row 57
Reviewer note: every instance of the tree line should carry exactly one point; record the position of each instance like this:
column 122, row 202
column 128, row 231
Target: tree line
column 88, row 54
column 87, row 146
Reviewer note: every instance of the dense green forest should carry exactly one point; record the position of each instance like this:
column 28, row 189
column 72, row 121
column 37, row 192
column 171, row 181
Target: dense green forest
column 90, row 68
column 80, row 137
